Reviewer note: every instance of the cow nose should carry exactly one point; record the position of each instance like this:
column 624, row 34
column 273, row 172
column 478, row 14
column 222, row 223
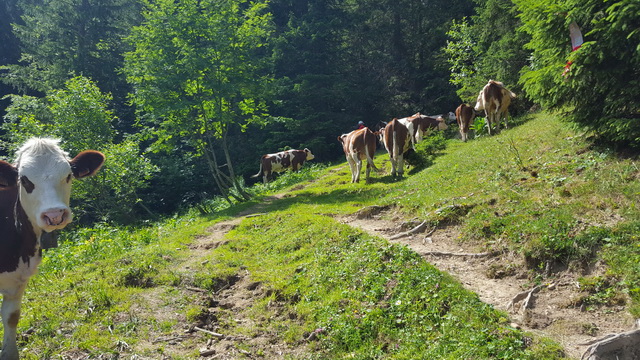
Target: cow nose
column 54, row 217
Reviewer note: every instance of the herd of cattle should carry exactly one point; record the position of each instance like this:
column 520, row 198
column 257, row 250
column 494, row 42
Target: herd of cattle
column 35, row 191
column 399, row 135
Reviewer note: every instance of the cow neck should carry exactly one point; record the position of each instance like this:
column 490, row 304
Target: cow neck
column 27, row 235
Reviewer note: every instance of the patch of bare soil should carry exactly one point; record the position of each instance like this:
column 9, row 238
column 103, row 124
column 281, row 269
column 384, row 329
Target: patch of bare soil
column 501, row 279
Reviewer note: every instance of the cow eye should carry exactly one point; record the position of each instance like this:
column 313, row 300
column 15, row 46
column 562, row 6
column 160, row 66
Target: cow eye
column 27, row 184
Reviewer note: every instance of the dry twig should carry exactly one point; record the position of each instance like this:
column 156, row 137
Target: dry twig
column 209, row 332
column 527, row 296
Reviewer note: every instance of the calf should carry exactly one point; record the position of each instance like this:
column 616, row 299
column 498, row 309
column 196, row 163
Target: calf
column 396, row 141
column 34, row 200
column 279, row 162
column 464, row 115
column 359, row 145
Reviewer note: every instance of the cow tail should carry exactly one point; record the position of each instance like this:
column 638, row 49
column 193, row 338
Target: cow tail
column 259, row 172
column 395, row 149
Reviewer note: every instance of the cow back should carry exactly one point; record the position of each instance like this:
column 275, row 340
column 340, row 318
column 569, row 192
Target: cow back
column 464, row 116
column 395, row 138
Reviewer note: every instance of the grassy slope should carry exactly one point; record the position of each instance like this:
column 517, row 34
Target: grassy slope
column 537, row 189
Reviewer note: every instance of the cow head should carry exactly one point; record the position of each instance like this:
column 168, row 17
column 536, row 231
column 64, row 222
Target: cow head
column 44, row 173
column 442, row 123
column 309, row 154
column 479, row 101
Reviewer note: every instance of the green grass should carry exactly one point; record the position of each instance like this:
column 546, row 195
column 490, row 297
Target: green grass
column 538, row 189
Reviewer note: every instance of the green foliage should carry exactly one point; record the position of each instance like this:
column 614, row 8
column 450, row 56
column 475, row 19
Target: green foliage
column 199, row 69
column 486, row 46
column 196, row 67
column 600, row 90
column 52, row 49
column 426, row 151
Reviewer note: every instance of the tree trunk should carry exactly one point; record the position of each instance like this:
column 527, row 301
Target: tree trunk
column 232, row 175
column 210, row 156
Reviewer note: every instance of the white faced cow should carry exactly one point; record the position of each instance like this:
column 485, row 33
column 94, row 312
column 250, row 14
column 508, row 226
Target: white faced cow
column 418, row 124
column 464, row 115
column 359, row 145
column 396, row 140
column 495, row 99
column 279, row 162
column 34, row 200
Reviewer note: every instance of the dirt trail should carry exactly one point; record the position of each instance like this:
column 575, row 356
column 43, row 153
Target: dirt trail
column 549, row 313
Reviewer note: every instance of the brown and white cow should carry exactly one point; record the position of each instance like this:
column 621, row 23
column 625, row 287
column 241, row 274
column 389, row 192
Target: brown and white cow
column 34, row 201
column 396, row 140
column 281, row 161
column 418, row 125
column 495, row 99
column 359, row 145
column 464, row 115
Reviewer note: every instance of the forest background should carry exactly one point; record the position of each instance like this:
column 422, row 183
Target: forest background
column 185, row 96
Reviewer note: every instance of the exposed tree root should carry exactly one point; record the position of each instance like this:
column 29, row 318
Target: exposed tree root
column 527, row 296
column 621, row 346
column 415, row 230
column 475, row 255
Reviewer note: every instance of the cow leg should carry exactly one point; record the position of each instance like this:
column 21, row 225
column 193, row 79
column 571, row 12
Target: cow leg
column 506, row 118
column 352, row 167
column 10, row 317
column 489, row 120
column 358, row 168
column 401, row 165
column 393, row 167
column 368, row 172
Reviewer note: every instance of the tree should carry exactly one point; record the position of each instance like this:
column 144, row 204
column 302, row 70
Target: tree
column 602, row 88
column 487, row 46
column 60, row 39
column 199, row 68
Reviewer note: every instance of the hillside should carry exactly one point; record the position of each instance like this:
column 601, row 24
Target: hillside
column 307, row 272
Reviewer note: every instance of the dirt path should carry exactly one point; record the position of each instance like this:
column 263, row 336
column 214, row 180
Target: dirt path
column 498, row 278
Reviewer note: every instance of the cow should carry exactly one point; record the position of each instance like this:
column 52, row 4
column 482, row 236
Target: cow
column 359, row 145
column 495, row 99
column 281, row 161
column 34, row 201
column 464, row 116
column 418, row 124
column 397, row 141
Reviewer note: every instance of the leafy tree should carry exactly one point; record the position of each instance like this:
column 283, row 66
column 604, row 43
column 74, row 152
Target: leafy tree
column 63, row 38
column 79, row 116
column 487, row 46
column 199, row 69
column 602, row 88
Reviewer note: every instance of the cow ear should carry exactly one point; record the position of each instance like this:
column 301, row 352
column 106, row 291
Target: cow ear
column 86, row 163
column 8, row 174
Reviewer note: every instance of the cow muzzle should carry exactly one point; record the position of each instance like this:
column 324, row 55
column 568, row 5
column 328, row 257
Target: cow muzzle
column 56, row 217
